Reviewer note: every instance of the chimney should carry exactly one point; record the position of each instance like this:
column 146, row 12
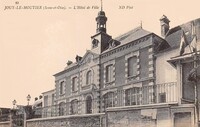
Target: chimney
column 69, row 62
column 164, row 22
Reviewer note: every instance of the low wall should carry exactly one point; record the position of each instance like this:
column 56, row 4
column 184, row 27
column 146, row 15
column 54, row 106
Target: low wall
column 88, row 120
column 139, row 116
column 5, row 124
column 153, row 115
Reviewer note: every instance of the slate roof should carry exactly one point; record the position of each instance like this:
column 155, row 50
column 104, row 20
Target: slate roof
column 173, row 36
column 132, row 35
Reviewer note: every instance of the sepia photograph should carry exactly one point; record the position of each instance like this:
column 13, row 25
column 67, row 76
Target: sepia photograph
column 99, row 63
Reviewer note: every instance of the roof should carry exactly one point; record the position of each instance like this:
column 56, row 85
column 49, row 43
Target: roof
column 132, row 35
column 49, row 91
column 73, row 66
column 89, row 52
column 136, row 34
column 173, row 36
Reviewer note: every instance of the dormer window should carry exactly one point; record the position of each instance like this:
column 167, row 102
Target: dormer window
column 113, row 43
column 95, row 43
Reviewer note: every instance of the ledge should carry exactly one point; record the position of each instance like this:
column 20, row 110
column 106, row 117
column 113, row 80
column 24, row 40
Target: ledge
column 5, row 122
column 185, row 106
column 147, row 106
column 64, row 117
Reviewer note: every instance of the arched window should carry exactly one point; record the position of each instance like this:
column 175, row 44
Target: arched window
column 74, row 107
column 74, row 84
column 61, row 108
column 89, row 104
column 133, row 96
column 132, row 66
column 109, row 100
column 89, row 77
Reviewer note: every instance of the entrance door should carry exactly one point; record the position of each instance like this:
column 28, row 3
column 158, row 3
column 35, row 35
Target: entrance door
column 182, row 119
column 89, row 105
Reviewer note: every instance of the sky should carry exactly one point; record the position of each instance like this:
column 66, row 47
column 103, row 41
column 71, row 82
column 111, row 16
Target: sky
column 37, row 43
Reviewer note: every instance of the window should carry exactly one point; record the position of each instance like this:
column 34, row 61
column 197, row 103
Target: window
column 89, row 77
column 74, row 84
column 61, row 108
column 62, row 87
column 74, row 107
column 109, row 100
column 45, row 101
column 162, row 97
column 132, row 66
column 109, row 73
column 52, row 101
column 89, row 104
column 133, row 96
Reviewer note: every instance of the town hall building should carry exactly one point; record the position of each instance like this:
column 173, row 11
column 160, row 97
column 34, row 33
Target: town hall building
column 138, row 78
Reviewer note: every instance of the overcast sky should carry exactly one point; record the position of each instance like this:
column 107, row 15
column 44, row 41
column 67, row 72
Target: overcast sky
column 35, row 44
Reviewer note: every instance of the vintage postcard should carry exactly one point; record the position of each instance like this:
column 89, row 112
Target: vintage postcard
column 99, row 63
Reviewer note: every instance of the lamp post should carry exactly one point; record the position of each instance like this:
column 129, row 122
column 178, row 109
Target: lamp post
column 28, row 98
column 14, row 103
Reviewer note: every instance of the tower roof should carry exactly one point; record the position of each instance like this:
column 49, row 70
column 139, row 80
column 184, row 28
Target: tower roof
column 165, row 19
column 101, row 13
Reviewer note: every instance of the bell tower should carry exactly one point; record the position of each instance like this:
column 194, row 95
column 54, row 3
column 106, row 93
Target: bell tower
column 101, row 22
column 101, row 38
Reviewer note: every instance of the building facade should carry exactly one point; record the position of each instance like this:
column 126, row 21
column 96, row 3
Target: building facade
column 138, row 75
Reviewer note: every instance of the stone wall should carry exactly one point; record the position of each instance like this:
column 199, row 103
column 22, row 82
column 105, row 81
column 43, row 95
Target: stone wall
column 93, row 120
column 140, row 116
column 154, row 115
column 5, row 124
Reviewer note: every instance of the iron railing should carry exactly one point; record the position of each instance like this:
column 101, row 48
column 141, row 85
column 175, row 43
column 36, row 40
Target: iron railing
column 150, row 94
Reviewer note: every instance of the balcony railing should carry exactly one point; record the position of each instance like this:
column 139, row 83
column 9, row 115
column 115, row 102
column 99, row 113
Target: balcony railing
column 159, row 93
column 154, row 94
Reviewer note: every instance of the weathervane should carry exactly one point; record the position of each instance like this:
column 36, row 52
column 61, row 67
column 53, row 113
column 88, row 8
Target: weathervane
column 101, row 5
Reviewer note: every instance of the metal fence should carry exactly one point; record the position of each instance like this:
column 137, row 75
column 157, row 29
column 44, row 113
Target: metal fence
column 154, row 94
column 4, row 117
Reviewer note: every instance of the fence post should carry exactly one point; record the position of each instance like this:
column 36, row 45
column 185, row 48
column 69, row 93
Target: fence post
column 25, row 116
column 11, row 120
